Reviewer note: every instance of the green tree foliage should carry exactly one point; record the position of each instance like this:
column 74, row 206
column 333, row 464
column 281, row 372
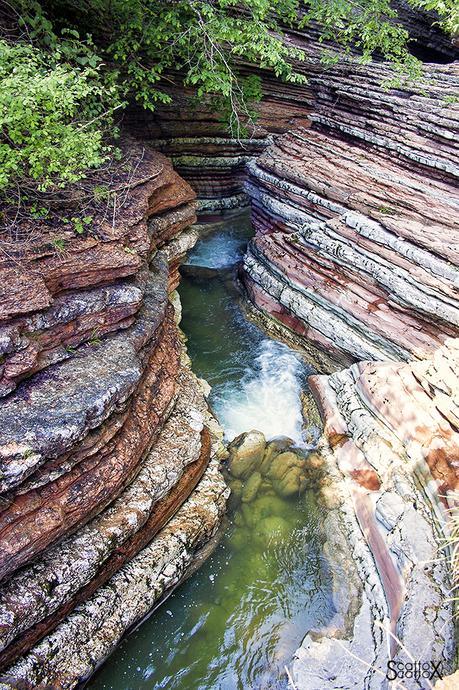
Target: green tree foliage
column 85, row 56
column 51, row 117
column 206, row 41
column 447, row 11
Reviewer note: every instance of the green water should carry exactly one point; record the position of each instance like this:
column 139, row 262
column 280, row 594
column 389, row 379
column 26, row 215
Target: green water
column 237, row 621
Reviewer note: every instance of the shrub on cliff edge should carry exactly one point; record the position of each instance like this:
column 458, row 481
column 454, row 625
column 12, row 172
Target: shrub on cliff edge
column 51, row 118
column 59, row 91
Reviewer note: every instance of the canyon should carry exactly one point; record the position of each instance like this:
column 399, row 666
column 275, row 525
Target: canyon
column 110, row 457
column 354, row 262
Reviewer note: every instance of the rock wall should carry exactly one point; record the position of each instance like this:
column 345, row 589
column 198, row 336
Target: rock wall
column 392, row 446
column 105, row 432
column 213, row 160
column 202, row 150
column 357, row 219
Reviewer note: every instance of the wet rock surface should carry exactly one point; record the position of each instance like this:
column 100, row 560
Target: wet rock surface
column 259, row 467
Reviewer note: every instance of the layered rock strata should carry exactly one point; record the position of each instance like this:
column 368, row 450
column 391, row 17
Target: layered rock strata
column 91, row 632
column 391, row 444
column 204, row 153
column 213, row 160
column 357, row 222
column 105, row 433
column 357, row 235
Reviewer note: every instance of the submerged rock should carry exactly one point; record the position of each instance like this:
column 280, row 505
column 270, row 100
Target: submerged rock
column 266, row 505
column 275, row 468
column 236, row 486
column 287, row 474
column 246, row 453
column 283, row 463
column 272, row 528
column 273, row 448
column 251, row 487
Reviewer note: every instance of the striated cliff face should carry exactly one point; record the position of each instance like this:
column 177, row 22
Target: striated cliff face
column 355, row 258
column 213, row 161
column 105, row 432
column 357, row 220
column 109, row 472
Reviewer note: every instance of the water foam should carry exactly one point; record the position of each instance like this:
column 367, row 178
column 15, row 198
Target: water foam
column 219, row 250
column 268, row 397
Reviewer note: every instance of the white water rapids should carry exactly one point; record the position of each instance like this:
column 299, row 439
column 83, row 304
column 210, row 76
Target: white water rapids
column 268, row 397
column 256, row 382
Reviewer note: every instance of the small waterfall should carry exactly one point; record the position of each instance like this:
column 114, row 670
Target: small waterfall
column 256, row 382
column 220, row 249
column 268, row 397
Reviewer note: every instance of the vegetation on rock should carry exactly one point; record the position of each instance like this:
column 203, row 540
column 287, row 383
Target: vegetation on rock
column 68, row 65
column 50, row 117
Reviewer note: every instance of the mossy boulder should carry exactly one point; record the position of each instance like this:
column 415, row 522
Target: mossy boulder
column 288, row 474
column 239, row 519
column 266, row 488
column 246, row 453
column 251, row 487
column 240, row 538
column 249, row 515
column 292, row 484
column 273, row 448
column 236, row 486
column 266, row 505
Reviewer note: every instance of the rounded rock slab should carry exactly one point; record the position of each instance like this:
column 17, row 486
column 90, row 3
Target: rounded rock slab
column 251, row 487
column 274, row 448
column 287, row 473
column 246, row 453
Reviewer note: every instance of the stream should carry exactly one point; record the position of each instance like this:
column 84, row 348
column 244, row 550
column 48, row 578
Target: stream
column 236, row 622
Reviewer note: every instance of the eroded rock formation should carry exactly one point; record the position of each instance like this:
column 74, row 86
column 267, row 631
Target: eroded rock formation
column 105, row 432
column 213, row 160
column 391, row 444
column 109, row 477
column 358, row 222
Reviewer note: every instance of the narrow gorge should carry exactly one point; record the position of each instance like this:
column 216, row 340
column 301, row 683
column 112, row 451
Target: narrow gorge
column 229, row 410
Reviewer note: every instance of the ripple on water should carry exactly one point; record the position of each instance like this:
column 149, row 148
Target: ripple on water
column 236, row 623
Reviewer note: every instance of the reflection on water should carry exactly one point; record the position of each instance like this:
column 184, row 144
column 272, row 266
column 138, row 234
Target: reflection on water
column 235, row 624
